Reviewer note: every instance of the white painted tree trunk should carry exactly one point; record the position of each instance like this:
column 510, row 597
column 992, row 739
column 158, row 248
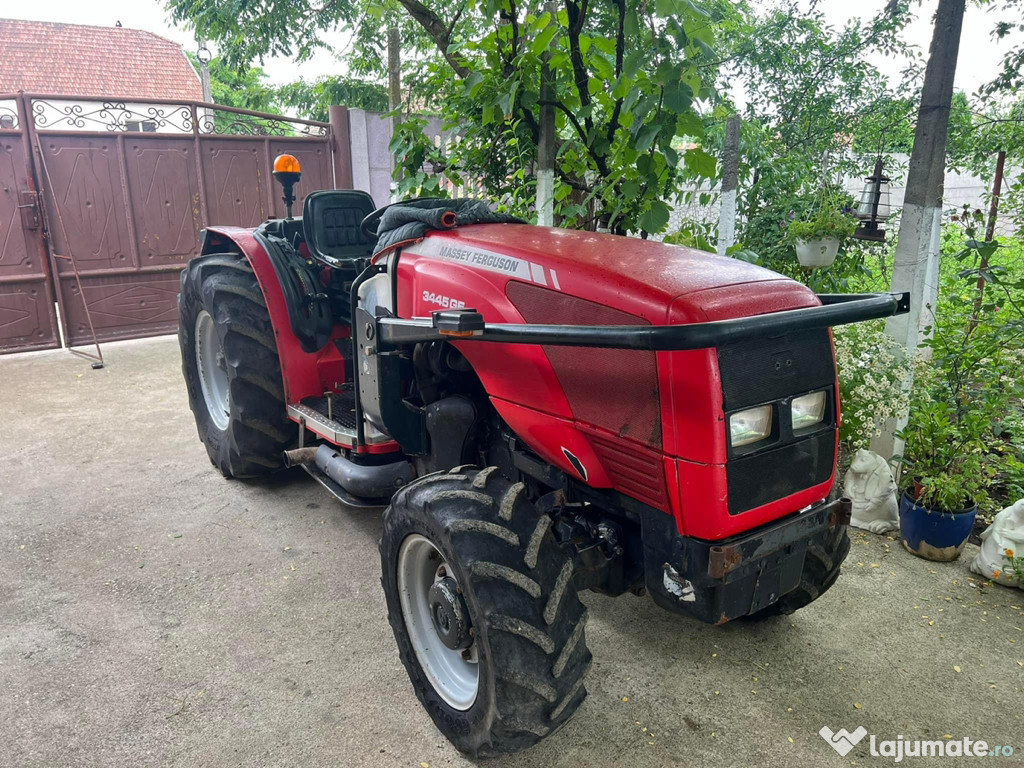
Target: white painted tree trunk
column 730, row 183
column 546, row 145
column 727, row 222
column 546, row 197
column 916, row 270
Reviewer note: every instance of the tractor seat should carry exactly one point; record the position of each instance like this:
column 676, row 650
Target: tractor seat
column 331, row 220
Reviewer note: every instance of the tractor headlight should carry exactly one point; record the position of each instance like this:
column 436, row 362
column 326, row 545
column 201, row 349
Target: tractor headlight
column 808, row 410
column 749, row 426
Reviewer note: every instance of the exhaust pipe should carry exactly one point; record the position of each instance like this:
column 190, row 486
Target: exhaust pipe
column 299, row 456
column 365, row 481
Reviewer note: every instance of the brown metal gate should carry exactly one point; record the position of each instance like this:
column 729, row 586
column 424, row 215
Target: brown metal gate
column 125, row 188
column 27, row 316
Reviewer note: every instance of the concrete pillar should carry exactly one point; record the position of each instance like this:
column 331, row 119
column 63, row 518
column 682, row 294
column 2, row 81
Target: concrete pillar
column 341, row 146
column 916, row 267
column 394, row 95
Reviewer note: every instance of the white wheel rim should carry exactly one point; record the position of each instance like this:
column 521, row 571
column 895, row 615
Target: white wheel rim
column 454, row 676
column 213, row 374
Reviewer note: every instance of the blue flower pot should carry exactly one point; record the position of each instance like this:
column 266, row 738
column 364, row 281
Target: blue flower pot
column 934, row 534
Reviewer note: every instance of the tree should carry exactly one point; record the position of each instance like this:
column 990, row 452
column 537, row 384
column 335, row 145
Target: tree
column 246, row 87
column 241, row 87
column 628, row 75
column 1011, row 20
column 810, row 103
column 312, row 98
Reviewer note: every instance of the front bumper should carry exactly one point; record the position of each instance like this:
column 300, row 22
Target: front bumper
column 717, row 581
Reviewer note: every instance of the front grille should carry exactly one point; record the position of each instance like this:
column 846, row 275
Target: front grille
column 763, row 370
column 773, row 370
column 774, row 474
column 634, row 471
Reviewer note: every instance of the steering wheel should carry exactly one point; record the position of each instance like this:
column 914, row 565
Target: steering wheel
column 372, row 221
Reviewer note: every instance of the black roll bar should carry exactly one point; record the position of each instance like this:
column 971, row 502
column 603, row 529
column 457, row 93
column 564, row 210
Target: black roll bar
column 836, row 309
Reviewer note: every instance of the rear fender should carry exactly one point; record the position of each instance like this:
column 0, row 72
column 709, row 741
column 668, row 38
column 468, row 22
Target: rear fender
column 304, row 374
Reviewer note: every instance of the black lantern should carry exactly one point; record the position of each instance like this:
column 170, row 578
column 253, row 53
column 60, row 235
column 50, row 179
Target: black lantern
column 873, row 209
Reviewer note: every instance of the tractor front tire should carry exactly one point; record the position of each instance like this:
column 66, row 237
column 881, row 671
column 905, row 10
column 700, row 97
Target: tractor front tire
column 230, row 363
column 822, row 563
column 524, row 628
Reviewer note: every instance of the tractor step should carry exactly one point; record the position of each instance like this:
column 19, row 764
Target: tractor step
column 334, row 418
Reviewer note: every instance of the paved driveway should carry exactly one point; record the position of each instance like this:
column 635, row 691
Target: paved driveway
column 154, row 614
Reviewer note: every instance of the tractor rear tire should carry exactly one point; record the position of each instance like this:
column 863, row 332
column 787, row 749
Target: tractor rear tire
column 527, row 623
column 821, row 569
column 231, row 367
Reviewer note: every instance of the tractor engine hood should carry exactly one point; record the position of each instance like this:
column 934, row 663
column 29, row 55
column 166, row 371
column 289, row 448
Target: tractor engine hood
column 660, row 283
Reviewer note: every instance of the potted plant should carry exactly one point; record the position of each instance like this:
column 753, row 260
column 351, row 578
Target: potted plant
column 958, row 447
column 945, row 475
column 818, row 237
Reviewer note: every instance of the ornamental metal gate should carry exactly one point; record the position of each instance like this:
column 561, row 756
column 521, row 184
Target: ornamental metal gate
column 27, row 316
column 102, row 202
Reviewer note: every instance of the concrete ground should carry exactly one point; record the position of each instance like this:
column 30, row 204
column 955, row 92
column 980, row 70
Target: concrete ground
column 154, row 614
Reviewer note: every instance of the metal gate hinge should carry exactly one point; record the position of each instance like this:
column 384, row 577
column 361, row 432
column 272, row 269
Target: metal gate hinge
column 28, row 205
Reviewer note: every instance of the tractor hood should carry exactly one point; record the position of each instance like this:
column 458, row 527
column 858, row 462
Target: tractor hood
column 664, row 284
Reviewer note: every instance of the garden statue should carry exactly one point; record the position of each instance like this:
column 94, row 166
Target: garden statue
column 870, row 484
column 1002, row 543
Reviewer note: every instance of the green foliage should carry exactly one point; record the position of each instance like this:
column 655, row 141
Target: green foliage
column 808, row 89
column 773, row 230
column 251, row 31
column 964, row 440
column 874, row 381
column 947, row 464
column 828, row 222
column 694, row 234
column 244, row 88
column 424, row 163
column 626, row 78
column 247, row 88
column 1009, row 19
column 887, row 127
column 312, row 98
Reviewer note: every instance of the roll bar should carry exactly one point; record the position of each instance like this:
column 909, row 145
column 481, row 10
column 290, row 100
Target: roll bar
column 468, row 325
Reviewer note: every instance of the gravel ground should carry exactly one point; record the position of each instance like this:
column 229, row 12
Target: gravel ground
column 154, row 614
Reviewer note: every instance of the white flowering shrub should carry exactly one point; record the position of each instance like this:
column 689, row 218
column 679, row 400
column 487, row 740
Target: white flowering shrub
column 874, row 376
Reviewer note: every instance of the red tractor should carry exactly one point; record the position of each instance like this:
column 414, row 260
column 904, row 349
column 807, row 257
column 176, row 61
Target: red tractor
column 542, row 411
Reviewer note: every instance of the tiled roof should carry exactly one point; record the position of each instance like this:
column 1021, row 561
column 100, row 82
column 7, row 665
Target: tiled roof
column 72, row 59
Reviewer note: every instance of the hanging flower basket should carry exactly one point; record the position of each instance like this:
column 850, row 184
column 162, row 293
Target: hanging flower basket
column 817, row 237
column 816, row 253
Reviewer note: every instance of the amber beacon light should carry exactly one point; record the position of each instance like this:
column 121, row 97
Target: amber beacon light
column 288, row 172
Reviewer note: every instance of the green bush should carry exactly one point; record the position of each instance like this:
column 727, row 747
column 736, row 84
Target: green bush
column 874, row 375
column 965, row 436
column 947, row 460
